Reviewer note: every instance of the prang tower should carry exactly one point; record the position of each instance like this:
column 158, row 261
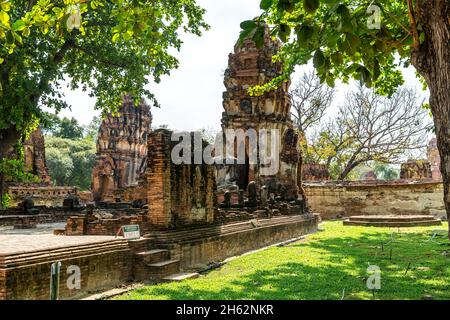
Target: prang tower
column 249, row 66
column 121, row 150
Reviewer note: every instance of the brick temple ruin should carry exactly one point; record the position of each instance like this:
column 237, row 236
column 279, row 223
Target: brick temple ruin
column 121, row 150
column 34, row 157
column 247, row 67
column 191, row 214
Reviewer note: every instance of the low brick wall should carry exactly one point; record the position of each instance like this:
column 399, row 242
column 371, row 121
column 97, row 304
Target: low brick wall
column 27, row 276
column 42, row 196
column 244, row 237
column 332, row 199
column 15, row 216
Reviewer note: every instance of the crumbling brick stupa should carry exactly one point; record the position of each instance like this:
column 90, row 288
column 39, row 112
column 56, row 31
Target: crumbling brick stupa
column 121, row 150
column 250, row 66
column 34, row 157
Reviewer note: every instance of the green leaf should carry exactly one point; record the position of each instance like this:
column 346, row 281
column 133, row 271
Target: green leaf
column 343, row 11
column 351, row 43
column 244, row 35
column 286, row 5
column 284, row 32
column 266, row 4
column 304, row 33
column 365, row 76
column 4, row 18
column 258, row 37
column 19, row 25
column 115, row 37
column 337, row 58
column 376, row 70
column 311, row 5
column 248, row 25
column 319, row 59
column 9, row 38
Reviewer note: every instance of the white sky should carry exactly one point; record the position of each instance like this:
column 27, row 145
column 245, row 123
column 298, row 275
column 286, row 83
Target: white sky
column 191, row 97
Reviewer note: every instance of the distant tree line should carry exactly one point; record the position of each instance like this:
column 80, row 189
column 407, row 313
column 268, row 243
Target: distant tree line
column 70, row 151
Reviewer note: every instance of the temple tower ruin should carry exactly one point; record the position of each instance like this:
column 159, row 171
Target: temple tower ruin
column 121, row 149
column 34, row 157
column 250, row 66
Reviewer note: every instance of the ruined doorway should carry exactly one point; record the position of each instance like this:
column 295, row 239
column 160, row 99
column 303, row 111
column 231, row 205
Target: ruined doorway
column 242, row 174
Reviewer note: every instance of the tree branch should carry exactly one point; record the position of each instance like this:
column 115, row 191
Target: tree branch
column 413, row 25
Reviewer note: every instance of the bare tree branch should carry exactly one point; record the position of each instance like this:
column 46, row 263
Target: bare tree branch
column 374, row 128
column 310, row 100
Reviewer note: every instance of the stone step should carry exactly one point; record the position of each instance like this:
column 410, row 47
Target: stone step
column 177, row 277
column 163, row 269
column 381, row 218
column 393, row 224
column 153, row 256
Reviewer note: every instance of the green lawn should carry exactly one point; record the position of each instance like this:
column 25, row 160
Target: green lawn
column 325, row 265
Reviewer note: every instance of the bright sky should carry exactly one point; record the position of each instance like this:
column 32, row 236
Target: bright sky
column 191, row 97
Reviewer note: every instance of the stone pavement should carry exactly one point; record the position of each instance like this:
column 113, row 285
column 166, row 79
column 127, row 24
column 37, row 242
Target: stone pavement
column 46, row 228
column 42, row 238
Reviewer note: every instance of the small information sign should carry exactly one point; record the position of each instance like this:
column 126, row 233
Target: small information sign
column 131, row 232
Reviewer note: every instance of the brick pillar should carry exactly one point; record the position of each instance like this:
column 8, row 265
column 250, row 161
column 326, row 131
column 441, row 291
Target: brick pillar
column 210, row 201
column 158, row 179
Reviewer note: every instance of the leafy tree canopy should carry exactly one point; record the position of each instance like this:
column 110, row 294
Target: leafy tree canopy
column 67, row 128
column 344, row 38
column 107, row 47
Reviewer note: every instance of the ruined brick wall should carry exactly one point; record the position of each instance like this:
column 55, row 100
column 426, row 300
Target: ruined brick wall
column 315, row 172
column 180, row 194
column 121, row 150
column 83, row 225
column 250, row 66
column 332, row 199
column 42, row 196
column 34, row 156
column 416, row 170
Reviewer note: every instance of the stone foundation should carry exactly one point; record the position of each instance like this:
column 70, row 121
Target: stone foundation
column 334, row 199
column 392, row 221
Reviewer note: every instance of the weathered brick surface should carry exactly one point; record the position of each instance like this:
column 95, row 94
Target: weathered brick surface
column 34, row 156
column 376, row 198
column 100, row 271
column 80, row 225
column 207, row 250
column 249, row 66
column 179, row 194
column 42, row 195
column 121, row 150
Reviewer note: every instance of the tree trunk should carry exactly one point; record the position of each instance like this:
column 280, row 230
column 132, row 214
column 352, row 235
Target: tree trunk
column 432, row 60
column 8, row 137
